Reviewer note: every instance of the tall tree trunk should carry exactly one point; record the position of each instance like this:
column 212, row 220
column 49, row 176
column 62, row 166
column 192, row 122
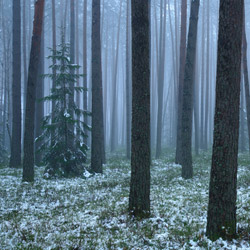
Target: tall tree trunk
column 161, row 65
column 15, row 156
column 188, row 89
column 207, row 106
column 97, row 145
column 53, row 62
column 114, row 123
column 39, row 105
column 28, row 160
column 72, row 61
column 181, row 78
column 246, row 78
column 128, row 81
column 85, row 85
column 242, row 117
column 221, row 218
column 139, row 200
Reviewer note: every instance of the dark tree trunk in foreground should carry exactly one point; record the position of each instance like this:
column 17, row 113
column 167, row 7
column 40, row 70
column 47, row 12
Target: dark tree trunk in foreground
column 15, row 157
column 221, row 221
column 139, row 201
column 246, row 78
column 181, row 78
column 97, row 146
column 39, row 105
column 28, row 160
column 188, row 89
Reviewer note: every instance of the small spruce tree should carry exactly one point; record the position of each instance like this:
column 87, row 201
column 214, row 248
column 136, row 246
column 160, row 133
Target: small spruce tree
column 62, row 159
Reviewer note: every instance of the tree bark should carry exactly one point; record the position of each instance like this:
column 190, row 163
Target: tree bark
column 139, row 201
column 15, row 156
column 182, row 60
column 97, row 145
column 221, row 218
column 188, row 89
column 246, row 78
column 28, row 160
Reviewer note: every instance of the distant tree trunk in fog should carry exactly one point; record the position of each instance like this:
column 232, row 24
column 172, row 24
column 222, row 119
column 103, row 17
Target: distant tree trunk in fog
column 203, row 62
column 85, row 100
column 72, row 61
column 242, row 117
column 114, row 122
column 97, row 145
column 221, row 218
column 181, row 78
column 188, row 89
column 15, row 156
column 139, row 200
column 25, row 75
column 207, row 96
column 128, row 81
column 54, row 61
column 161, row 65
column 39, row 104
column 196, row 105
column 28, row 160
column 246, row 78
column 78, row 102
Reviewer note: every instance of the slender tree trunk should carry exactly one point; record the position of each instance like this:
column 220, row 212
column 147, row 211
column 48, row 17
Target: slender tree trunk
column 207, row 79
column 53, row 62
column 39, row 105
column 128, row 81
column 72, row 61
column 221, row 218
column 85, row 84
column 242, row 117
column 161, row 65
column 139, row 200
column 188, row 89
column 97, row 145
column 28, row 160
column 246, row 78
column 181, row 78
column 114, row 123
column 15, row 156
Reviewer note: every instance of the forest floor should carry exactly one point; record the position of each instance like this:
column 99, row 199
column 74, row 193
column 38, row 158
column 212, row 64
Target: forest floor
column 91, row 213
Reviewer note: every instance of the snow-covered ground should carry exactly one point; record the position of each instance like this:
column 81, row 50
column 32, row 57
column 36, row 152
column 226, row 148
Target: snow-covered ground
column 91, row 213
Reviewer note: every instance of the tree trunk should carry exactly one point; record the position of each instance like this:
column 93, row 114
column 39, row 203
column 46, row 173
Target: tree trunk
column 139, row 201
column 54, row 62
column 246, row 78
column 181, row 78
column 97, row 145
column 39, row 105
column 28, row 160
column 221, row 220
column 128, row 81
column 85, row 85
column 15, row 156
column 188, row 89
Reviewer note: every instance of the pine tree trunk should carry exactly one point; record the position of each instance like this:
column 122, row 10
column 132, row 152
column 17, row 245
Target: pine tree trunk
column 128, row 81
column 188, row 89
column 246, row 78
column 39, row 104
column 15, row 156
column 85, row 84
column 139, row 200
column 221, row 220
column 181, row 78
column 28, row 160
column 97, row 145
